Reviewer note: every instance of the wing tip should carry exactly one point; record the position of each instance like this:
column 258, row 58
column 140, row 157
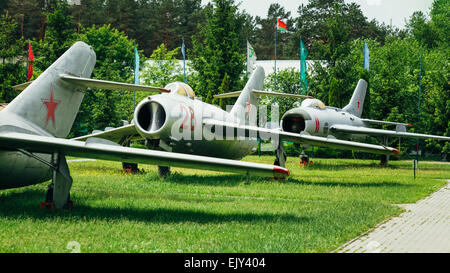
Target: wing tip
column 280, row 172
column 396, row 151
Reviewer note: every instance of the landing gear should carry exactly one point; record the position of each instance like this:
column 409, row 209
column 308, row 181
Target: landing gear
column 163, row 171
column 49, row 200
column 384, row 160
column 304, row 159
column 154, row 144
column 58, row 193
column 280, row 156
column 130, row 167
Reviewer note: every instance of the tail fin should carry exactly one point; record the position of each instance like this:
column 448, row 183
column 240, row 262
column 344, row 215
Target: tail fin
column 355, row 106
column 51, row 103
column 247, row 102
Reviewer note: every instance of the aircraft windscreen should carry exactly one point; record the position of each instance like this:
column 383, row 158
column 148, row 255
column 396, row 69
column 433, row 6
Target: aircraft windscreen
column 313, row 103
column 181, row 88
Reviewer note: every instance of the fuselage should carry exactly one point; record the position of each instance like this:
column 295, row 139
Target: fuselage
column 175, row 123
column 16, row 168
column 317, row 121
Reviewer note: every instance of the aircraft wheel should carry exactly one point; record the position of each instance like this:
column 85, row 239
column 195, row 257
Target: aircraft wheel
column 163, row 171
column 49, row 194
column 276, row 162
column 49, row 198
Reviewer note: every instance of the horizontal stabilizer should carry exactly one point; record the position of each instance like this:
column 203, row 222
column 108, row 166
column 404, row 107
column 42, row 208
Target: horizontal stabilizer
column 385, row 122
column 262, row 93
column 117, row 135
column 22, row 86
column 379, row 132
column 118, row 86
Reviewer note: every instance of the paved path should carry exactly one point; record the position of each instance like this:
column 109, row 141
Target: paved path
column 423, row 228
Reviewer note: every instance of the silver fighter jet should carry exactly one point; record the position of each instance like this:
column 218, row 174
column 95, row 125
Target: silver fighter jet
column 314, row 119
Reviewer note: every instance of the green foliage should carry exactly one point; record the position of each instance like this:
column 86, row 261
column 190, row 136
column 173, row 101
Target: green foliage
column 333, row 95
column 59, row 36
column 12, row 71
column 217, row 49
column 10, row 45
column 115, row 55
column 318, row 19
column 288, row 81
column 163, row 69
column 265, row 34
column 224, row 88
column 440, row 20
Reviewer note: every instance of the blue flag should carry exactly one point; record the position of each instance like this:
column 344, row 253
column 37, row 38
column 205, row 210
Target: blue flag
column 303, row 67
column 136, row 65
column 183, row 50
column 184, row 60
column 366, row 57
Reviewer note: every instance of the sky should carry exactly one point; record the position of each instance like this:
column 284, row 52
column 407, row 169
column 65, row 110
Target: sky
column 382, row 10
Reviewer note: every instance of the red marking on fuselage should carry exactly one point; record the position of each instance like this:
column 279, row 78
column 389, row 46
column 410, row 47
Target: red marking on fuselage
column 317, row 124
column 51, row 107
column 185, row 124
column 193, row 121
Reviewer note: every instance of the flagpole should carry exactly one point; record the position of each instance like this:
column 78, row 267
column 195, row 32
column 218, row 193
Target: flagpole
column 184, row 61
column 300, row 65
column 418, row 109
column 134, row 92
column 246, row 72
column 276, row 26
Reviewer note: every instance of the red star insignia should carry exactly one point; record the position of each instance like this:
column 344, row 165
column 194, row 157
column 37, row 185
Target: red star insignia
column 51, row 107
column 358, row 104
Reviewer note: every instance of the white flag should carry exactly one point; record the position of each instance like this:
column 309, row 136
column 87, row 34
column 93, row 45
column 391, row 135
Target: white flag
column 251, row 58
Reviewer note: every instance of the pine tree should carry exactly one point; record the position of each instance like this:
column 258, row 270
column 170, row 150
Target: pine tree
column 217, row 49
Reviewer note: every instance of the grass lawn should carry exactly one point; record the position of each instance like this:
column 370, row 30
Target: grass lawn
column 317, row 209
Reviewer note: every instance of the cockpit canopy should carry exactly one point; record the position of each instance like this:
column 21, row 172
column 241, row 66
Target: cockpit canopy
column 181, row 88
column 313, row 103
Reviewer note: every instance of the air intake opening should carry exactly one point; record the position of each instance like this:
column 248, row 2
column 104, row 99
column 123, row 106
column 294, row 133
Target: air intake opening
column 293, row 124
column 151, row 116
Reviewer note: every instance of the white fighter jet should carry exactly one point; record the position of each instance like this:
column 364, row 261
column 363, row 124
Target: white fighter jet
column 314, row 119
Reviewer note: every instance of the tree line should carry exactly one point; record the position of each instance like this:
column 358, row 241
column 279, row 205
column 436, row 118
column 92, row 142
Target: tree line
column 215, row 38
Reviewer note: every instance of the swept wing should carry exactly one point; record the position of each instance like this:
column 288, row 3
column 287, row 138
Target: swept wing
column 380, row 132
column 100, row 84
column 43, row 144
column 242, row 130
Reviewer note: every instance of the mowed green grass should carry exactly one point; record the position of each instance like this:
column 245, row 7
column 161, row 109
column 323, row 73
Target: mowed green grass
column 317, row 209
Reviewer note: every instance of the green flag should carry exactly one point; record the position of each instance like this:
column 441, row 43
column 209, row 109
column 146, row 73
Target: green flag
column 136, row 65
column 303, row 55
column 136, row 73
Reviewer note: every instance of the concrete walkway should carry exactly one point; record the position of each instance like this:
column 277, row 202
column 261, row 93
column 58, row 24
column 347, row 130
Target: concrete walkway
column 423, row 228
